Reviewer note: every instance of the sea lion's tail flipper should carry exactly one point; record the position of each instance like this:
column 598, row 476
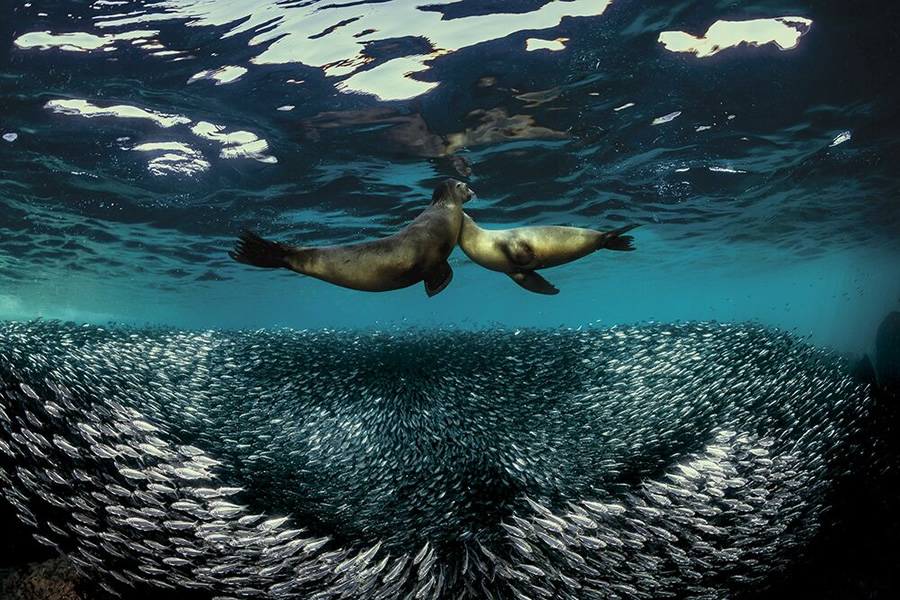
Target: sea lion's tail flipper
column 614, row 240
column 438, row 278
column 533, row 282
column 251, row 249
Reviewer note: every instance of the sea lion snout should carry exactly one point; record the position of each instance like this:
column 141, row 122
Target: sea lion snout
column 461, row 190
column 469, row 194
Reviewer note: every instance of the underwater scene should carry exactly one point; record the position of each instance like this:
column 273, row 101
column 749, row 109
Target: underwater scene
column 375, row 299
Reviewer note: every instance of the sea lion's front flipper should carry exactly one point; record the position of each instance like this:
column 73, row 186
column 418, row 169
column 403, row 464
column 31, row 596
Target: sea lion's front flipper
column 438, row 278
column 258, row 252
column 533, row 282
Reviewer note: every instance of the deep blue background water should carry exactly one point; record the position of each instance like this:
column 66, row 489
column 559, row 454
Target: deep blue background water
column 749, row 211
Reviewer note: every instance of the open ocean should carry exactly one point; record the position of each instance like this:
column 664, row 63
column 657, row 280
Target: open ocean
column 757, row 144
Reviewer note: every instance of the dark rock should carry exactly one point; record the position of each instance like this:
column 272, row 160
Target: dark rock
column 54, row 579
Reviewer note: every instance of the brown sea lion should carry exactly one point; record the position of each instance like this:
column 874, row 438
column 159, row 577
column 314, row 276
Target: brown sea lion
column 520, row 251
column 418, row 252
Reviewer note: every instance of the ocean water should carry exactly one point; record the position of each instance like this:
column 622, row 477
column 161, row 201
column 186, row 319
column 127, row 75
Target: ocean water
column 148, row 134
column 756, row 144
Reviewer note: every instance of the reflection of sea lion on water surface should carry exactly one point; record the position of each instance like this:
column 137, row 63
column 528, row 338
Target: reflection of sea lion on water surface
column 418, row 252
column 520, row 251
column 410, row 135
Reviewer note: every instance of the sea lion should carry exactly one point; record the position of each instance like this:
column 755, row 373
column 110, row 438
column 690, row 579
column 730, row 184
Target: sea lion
column 520, row 251
column 418, row 252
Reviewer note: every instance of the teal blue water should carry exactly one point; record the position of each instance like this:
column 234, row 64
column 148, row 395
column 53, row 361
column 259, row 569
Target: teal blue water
column 141, row 138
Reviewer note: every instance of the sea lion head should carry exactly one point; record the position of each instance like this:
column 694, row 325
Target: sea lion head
column 451, row 190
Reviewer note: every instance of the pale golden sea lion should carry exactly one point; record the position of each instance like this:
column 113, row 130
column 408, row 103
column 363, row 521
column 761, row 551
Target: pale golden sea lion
column 520, row 251
column 418, row 252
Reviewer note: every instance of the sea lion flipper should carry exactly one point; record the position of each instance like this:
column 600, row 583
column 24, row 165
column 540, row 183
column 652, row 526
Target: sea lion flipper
column 614, row 240
column 438, row 278
column 533, row 282
column 251, row 249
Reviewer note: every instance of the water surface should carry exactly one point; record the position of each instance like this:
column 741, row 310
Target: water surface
column 143, row 136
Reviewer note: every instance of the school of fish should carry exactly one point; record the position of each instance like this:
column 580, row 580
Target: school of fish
column 663, row 460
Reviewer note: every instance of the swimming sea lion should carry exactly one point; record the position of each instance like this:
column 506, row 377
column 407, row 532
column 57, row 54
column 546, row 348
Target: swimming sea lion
column 418, row 252
column 520, row 251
